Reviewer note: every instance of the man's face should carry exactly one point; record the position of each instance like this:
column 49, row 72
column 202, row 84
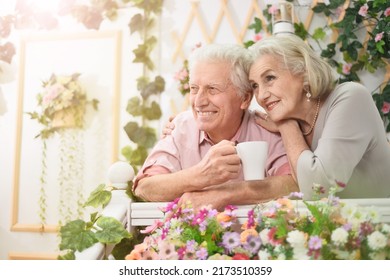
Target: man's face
column 216, row 105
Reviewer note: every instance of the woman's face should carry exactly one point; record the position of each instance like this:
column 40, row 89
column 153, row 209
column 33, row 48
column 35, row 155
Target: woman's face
column 276, row 90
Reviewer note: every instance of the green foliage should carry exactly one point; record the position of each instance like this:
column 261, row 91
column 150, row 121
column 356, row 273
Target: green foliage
column 139, row 132
column 141, row 135
column 110, row 231
column 78, row 235
column 257, row 26
column 100, row 196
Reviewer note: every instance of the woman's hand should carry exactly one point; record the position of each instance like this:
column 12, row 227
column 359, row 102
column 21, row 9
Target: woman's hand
column 263, row 120
column 168, row 128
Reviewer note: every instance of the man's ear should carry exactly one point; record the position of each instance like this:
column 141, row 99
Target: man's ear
column 246, row 102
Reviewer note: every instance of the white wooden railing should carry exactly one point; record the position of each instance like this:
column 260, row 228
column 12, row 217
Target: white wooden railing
column 134, row 214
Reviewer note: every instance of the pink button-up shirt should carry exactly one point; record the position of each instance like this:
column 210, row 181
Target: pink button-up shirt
column 187, row 145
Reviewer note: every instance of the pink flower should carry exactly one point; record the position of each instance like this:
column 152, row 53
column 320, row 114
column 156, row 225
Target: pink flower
column 272, row 10
column 340, row 184
column 386, row 107
column 153, row 227
column 257, row 37
column 197, row 45
column 378, row 37
column 363, row 10
column 52, row 92
column 347, row 68
column 387, row 12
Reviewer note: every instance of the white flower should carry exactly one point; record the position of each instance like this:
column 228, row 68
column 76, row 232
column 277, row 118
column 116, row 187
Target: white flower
column 376, row 240
column 339, row 236
column 300, row 253
column 386, row 228
column 264, row 236
column 263, row 255
column 296, row 238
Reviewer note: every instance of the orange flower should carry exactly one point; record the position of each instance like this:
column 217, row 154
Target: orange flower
column 223, row 217
column 136, row 253
column 285, row 203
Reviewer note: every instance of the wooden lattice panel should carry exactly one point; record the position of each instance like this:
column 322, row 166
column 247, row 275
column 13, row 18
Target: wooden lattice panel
column 225, row 11
column 196, row 17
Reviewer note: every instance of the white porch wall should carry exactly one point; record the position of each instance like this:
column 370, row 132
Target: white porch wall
column 173, row 19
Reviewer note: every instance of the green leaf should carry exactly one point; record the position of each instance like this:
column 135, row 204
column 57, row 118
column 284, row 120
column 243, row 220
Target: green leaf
column 153, row 112
column 142, row 82
column 319, row 33
column 75, row 236
column 257, row 25
column 68, row 256
column 319, row 8
column 379, row 46
column 144, row 136
column 131, row 128
column 138, row 156
column 330, row 51
column 111, row 231
column 247, row 44
column 142, row 52
column 125, row 246
column 134, row 106
column 136, row 23
column 300, row 30
column 155, row 87
column 99, row 197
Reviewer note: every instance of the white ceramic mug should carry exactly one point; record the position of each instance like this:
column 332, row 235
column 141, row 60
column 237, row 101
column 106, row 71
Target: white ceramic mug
column 253, row 155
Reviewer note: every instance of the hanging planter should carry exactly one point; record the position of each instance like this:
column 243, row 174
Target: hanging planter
column 68, row 118
column 63, row 103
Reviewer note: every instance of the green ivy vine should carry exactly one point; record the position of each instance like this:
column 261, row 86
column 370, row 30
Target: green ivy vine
column 143, row 107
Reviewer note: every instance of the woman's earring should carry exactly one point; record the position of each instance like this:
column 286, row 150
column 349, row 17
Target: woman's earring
column 308, row 96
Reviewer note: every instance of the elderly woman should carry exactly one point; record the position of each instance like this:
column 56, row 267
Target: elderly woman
column 332, row 133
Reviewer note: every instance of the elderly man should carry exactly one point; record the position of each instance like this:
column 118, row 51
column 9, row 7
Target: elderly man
column 198, row 161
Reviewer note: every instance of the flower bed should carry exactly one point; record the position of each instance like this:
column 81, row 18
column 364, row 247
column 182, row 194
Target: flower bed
column 327, row 229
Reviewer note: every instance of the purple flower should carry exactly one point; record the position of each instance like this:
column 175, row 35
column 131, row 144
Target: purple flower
column 298, row 195
column 202, row 253
column 190, row 245
column 231, row 240
column 347, row 226
column 315, row 242
column 252, row 244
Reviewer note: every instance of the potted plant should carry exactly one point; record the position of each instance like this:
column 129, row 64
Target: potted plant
column 62, row 103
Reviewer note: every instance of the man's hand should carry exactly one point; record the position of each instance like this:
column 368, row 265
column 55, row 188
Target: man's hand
column 207, row 198
column 220, row 164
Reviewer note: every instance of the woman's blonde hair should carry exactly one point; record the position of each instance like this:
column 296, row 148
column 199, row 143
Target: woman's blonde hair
column 299, row 59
